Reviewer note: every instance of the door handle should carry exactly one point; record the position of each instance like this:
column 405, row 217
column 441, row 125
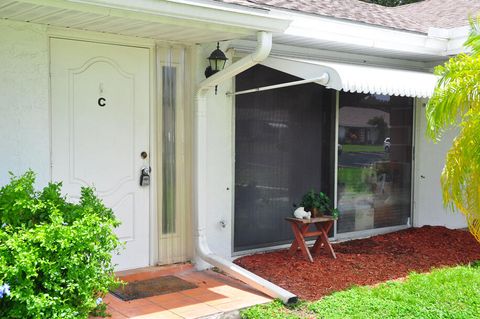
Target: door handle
column 145, row 176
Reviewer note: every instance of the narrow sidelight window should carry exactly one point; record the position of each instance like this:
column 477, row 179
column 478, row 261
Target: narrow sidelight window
column 169, row 92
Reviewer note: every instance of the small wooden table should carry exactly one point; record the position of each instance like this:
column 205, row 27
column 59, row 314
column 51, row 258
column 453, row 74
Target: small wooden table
column 300, row 231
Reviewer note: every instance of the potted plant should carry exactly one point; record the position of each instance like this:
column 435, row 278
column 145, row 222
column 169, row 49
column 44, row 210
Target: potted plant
column 318, row 203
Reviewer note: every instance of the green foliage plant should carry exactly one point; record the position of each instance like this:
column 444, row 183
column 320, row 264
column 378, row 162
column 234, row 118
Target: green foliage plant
column 55, row 256
column 320, row 200
column 456, row 102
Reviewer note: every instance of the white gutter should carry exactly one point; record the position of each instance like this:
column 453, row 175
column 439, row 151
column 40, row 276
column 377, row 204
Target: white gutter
column 456, row 38
column 200, row 155
column 352, row 34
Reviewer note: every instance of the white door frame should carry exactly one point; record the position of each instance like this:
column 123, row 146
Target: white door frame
column 88, row 36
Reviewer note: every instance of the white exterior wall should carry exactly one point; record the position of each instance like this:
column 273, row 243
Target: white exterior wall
column 428, row 207
column 221, row 157
column 25, row 132
column 24, row 100
column 429, row 162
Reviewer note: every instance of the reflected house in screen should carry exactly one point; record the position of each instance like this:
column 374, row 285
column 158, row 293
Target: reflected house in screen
column 374, row 180
column 362, row 126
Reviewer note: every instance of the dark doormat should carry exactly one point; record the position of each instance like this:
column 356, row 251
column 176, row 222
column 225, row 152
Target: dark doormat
column 152, row 287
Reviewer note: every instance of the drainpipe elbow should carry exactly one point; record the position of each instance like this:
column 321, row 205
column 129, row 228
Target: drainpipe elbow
column 264, row 40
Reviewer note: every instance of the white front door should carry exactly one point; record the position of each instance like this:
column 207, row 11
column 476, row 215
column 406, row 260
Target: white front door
column 429, row 162
column 100, row 127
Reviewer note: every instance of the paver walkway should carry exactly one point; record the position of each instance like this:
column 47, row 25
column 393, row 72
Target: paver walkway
column 216, row 294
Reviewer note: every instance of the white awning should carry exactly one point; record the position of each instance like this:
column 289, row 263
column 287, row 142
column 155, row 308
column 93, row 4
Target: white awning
column 359, row 78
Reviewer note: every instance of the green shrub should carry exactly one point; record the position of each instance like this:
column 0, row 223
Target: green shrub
column 55, row 256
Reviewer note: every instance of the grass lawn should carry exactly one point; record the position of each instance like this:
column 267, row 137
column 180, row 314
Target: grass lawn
column 352, row 178
column 443, row 293
column 349, row 148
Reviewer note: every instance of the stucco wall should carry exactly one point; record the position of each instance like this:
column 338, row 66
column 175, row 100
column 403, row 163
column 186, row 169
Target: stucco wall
column 429, row 162
column 220, row 161
column 24, row 128
column 24, row 94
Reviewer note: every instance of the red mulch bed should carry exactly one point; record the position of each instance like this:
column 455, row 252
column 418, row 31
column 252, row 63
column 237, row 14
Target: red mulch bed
column 365, row 261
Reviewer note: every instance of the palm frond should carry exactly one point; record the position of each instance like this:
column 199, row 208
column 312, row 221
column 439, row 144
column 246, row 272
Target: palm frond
column 457, row 91
column 461, row 174
column 473, row 41
column 456, row 99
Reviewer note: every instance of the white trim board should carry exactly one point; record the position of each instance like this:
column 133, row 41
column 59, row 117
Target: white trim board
column 100, row 37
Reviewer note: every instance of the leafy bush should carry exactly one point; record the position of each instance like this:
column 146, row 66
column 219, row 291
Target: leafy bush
column 55, row 256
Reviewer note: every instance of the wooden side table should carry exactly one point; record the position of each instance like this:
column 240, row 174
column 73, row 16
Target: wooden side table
column 300, row 231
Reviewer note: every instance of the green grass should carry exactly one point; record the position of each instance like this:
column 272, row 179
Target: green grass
column 349, row 148
column 352, row 179
column 452, row 293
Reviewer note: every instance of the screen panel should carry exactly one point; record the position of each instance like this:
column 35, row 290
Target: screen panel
column 375, row 161
column 283, row 148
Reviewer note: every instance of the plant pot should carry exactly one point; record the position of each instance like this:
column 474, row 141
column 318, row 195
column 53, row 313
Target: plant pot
column 316, row 212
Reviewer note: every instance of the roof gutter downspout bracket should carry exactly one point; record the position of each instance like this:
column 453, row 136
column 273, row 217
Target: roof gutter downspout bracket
column 203, row 251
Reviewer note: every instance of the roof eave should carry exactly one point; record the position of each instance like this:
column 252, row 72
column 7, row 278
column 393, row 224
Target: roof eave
column 365, row 35
column 456, row 38
column 178, row 12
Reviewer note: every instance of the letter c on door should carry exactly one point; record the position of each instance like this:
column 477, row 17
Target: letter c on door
column 101, row 102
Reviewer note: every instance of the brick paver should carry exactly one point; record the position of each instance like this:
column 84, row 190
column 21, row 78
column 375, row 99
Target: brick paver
column 216, row 294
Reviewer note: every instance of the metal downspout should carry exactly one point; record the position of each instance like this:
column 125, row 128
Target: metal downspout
column 203, row 251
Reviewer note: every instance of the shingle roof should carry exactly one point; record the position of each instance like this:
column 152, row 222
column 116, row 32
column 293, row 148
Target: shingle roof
column 417, row 17
column 440, row 13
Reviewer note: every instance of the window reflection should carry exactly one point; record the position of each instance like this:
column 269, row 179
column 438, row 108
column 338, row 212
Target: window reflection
column 374, row 162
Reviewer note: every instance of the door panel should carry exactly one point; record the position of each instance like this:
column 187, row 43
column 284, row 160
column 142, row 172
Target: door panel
column 100, row 126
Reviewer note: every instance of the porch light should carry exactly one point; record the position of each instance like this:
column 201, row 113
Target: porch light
column 217, row 60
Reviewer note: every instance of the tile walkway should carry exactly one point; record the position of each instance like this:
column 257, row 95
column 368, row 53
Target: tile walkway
column 216, row 295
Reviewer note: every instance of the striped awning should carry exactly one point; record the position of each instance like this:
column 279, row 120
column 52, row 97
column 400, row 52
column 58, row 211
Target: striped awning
column 359, row 78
